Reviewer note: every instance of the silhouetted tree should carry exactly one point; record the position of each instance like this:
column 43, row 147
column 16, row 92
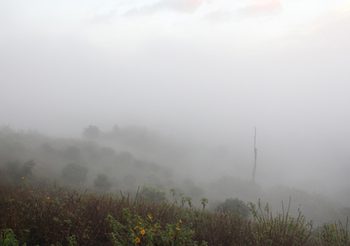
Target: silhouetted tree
column 27, row 168
column 92, row 132
column 72, row 153
column 102, row 182
column 15, row 171
column 74, row 174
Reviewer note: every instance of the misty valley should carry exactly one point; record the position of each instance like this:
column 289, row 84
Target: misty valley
column 174, row 123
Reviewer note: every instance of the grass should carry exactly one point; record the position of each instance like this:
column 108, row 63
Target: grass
column 51, row 215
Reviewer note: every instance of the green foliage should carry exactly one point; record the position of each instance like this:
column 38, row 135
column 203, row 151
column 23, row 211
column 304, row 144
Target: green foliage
column 334, row 234
column 281, row 229
column 234, row 206
column 50, row 215
column 151, row 194
column 72, row 241
column 204, row 202
column 176, row 195
column 8, row 238
column 136, row 230
column 185, row 200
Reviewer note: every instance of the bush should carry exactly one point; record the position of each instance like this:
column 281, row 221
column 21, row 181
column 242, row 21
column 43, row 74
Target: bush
column 281, row 229
column 8, row 238
column 136, row 230
column 334, row 234
column 74, row 174
column 152, row 195
column 234, row 206
column 102, row 182
column 15, row 171
column 51, row 215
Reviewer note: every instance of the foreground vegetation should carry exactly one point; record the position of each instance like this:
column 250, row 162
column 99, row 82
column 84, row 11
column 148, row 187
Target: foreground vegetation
column 50, row 215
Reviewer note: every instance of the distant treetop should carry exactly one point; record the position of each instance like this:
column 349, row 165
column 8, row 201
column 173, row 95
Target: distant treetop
column 91, row 132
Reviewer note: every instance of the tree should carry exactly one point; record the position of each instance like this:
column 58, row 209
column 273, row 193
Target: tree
column 102, row 182
column 27, row 168
column 74, row 174
column 72, row 153
column 15, row 170
column 92, row 132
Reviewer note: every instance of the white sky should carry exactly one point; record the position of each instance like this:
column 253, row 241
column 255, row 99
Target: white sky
column 249, row 21
column 214, row 44
column 213, row 66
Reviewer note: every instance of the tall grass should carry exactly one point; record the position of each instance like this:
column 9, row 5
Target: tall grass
column 47, row 214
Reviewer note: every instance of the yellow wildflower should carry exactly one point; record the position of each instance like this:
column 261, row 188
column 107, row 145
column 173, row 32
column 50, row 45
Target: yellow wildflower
column 137, row 240
column 143, row 232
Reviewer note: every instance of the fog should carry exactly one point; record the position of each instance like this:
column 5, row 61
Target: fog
column 199, row 75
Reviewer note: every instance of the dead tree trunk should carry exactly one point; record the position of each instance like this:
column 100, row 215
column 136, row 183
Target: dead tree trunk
column 255, row 157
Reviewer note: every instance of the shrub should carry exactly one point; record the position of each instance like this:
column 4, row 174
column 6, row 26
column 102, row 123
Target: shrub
column 15, row 171
column 334, row 234
column 74, row 174
column 51, row 215
column 102, row 182
column 135, row 230
column 8, row 238
column 152, row 195
column 234, row 206
column 281, row 229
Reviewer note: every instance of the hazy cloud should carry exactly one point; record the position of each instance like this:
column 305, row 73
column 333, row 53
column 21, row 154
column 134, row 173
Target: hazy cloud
column 251, row 9
column 57, row 74
column 262, row 7
column 184, row 6
column 219, row 15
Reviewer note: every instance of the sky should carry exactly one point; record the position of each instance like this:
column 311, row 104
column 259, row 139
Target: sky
column 209, row 69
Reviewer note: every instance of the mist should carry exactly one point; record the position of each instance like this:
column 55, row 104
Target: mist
column 186, row 82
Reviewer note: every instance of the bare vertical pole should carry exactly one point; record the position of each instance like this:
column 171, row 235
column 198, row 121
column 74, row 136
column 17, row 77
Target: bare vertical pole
column 255, row 156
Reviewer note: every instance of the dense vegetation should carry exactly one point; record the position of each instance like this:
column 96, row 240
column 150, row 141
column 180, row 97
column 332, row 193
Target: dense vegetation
column 45, row 214
column 56, row 191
